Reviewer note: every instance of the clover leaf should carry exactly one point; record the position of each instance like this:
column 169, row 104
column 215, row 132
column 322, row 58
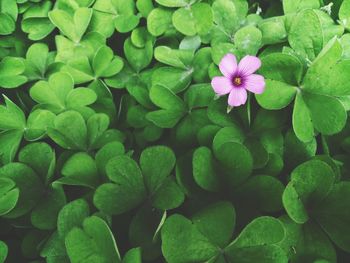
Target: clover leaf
column 315, row 199
column 150, row 179
column 41, row 158
column 36, row 22
column 303, row 38
column 71, row 131
column 344, row 13
column 194, row 19
column 21, row 189
column 8, row 16
column 113, row 15
column 103, row 65
column 306, row 241
column 199, row 240
column 3, row 251
column 173, row 108
column 93, row 242
column 159, row 21
column 12, row 126
column 290, row 6
column 57, row 94
column 74, row 26
column 11, row 72
column 307, row 115
column 80, row 169
column 39, row 62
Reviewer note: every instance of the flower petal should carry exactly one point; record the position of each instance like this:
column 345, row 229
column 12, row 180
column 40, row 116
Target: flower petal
column 248, row 65
column 221, row 85
column 237, row 97
column 228, row 65
column 255, row 83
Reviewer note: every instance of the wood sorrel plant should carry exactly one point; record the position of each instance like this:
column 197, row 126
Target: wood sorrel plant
column 175, row 131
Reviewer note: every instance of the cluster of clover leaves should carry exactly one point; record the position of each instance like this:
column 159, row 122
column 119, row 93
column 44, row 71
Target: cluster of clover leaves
column 114, row 147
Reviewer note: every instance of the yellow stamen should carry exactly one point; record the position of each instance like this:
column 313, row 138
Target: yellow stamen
column 237, row 81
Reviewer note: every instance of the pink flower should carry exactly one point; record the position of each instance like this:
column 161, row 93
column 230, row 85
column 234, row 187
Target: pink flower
column 237, row 79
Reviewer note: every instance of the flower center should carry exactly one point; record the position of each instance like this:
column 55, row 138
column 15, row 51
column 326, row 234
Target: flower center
column 237, row 81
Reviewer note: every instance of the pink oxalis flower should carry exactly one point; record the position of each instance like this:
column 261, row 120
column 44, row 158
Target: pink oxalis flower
column 237, row 79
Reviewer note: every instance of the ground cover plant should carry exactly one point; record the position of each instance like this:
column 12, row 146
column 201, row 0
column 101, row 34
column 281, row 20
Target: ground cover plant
column 178, row 131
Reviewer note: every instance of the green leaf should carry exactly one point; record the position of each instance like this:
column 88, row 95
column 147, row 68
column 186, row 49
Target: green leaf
column 11, row 70
column 217, row 222
column 198, row 18
column 37, row 123
column 36, row 62
column 80, row 97
column 156, row 164
column 228, row 134
column 305, row 35
column 204, row 169
column 174, row 79
column 11, row 116
column 145, row 7
column 273, row 30
column 9, row 195
column 105, row 64
column 97, row 125
column 332, row 215
column 277, row 95
column 69, row 131
column 236, row 161
column 158, row 21
column 127, row 190
column 282, row 67
column 73, row 27
column 168, row 196
column 67, row 49
column 72, row 215
column 173, row 3
column 9, row 143
column 173, row 108
column 3, row 251
column 225, row 16
column 40, row 157
column 106, row 153
column 302, row 121
column 44, row 215
column 8, row 24
column 93, row 243
column 292, row 6
column 35, row 21
column 306, row 241
column 248, row 40
column 261, row 231
column 310, row 183
column 81, row 168
column 133, row 256
column 176, row 58
column 327, row 113
column 27, row 184
column 326, row 75
column 183, row 242
column 53, row 93
column 139, row 58
column 344, row 14
column 199, row 95
column 257, row 241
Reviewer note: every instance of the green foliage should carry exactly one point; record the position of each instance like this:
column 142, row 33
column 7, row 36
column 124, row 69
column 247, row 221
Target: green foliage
column 114, row 147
